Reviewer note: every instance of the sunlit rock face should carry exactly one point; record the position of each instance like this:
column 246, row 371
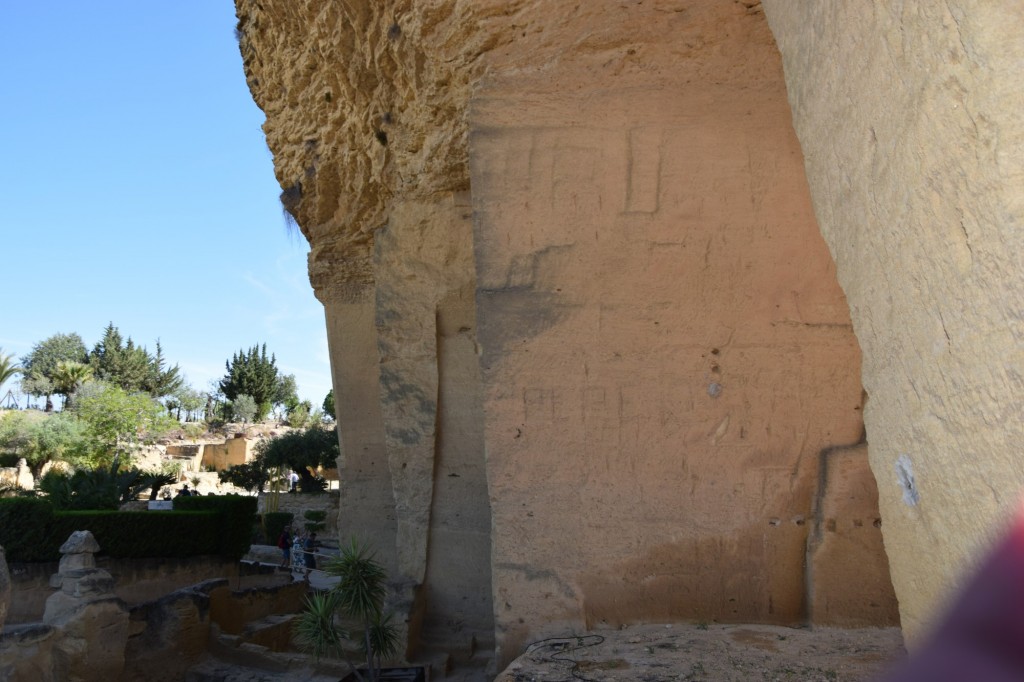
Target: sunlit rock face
column 588, row 345
column 912, row 132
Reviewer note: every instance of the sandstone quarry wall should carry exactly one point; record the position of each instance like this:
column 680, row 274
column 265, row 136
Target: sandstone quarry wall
column 665, row 349
column 909, row 119
column 588, row 347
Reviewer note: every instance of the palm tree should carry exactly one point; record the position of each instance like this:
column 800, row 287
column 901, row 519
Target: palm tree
column 8, row 367
column 358, row 595
column 68, row 376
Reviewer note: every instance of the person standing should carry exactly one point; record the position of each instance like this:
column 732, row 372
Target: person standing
column 310, row 548
column 298, row 561
column 284, row 542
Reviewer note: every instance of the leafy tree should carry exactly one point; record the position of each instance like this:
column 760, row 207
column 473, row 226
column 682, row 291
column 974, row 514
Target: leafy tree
column 302, row 451
column 40, row 364
column 243, row 408
column 117, row 421
column 58, row 437
column 38, row 385
column 68, row 377
column 329, row 405
column 8, row 367
column 253, row 475
column 299, row 416
column 191, row 401
column 41, row 438
column 15, row 432
column 252, row 373
column 286, row 393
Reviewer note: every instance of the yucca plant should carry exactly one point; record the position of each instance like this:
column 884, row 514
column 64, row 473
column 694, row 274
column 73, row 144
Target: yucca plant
column 359, row 596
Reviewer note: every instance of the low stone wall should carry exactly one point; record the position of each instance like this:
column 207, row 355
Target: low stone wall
column 26, row 652
column 136, row 580
column 233, row 610
column 166, row 636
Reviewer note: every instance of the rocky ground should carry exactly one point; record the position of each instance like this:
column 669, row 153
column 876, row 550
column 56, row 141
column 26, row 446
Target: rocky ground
column 715, row 653
column 648, row 653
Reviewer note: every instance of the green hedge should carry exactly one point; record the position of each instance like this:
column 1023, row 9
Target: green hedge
column 238, row 514
column 31, row 531
column 274, row 523
column 143, row 533
column 25, row 528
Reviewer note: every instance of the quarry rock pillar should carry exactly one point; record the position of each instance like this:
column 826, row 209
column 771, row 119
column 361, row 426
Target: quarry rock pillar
column 92, row 620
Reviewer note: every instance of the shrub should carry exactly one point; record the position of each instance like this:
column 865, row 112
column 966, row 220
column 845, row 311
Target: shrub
column 314, row 520
column 274, row 523
column 25, row 528
column 142, row 534
column 237, row 516
column 194, row 429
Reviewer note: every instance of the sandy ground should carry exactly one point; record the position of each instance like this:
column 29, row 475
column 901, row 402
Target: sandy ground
column 727, row 653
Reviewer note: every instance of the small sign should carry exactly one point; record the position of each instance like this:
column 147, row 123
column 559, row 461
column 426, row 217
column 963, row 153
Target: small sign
column 161, row 505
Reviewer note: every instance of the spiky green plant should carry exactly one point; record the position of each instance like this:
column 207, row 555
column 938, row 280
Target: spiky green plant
column 316, row 630
column 359, row 595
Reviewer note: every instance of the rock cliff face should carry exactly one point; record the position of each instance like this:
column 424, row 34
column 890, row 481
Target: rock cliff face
column 591, row 360
column 912, row 134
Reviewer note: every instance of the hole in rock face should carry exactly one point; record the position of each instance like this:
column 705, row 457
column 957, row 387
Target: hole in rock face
column 394, row 31
column 381, row 136
column 714, row 351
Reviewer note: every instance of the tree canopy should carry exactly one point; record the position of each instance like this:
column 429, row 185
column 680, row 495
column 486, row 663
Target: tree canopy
column 117, row 420
column 40, row 365
column 302, row 451
column 43, row 438
column 131, row 367
column 251, row 373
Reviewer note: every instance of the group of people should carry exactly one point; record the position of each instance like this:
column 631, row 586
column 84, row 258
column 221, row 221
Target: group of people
column 299, row 551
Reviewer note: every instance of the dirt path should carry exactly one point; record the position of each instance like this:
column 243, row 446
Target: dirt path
column 715, row 653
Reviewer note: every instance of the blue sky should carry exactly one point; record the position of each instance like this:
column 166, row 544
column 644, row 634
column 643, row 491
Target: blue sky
column 137, row 188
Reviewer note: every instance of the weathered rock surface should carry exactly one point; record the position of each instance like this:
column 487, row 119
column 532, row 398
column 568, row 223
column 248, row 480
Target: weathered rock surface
column 631, row 423
column 92, row 622
column 27, row 653
column 848, row 574
column 911, row 129
column 723, row 653
column 168, row 636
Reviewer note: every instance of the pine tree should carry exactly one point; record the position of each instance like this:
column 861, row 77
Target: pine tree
column 251, row 373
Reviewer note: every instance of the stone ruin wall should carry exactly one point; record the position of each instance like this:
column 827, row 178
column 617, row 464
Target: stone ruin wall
column 638, row 418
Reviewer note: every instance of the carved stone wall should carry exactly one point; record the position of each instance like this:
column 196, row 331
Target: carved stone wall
column 665, row 350
column 630, row 424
